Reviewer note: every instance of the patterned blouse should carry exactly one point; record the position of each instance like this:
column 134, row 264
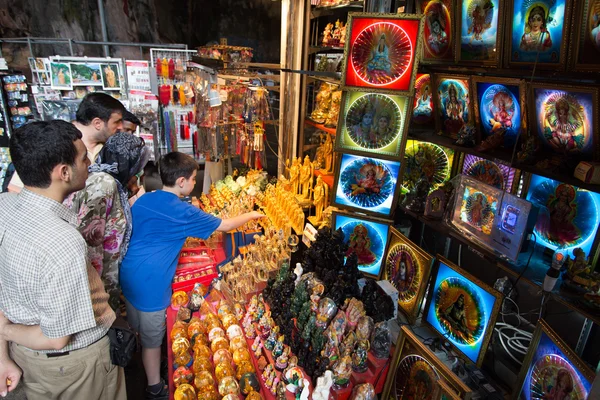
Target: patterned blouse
column 103, row 224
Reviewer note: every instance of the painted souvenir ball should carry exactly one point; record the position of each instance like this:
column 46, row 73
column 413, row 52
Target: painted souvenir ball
column 182, row 375
column 224, row 308
column 222, row 355
column 224, row 370
column 234, row 331
column 179, row 299
column 229, row 320
column 180, row 346
column 241, row 355
column 215, row 333
column 212, row 321
column 178, row 332
column 182, row 360
column 195, row 327
column 202, row 350
column 249, row 383
column 364, row 327
column 203, row 379
column 219, row 343
column 238, row 342
column 364, row 391
column 229, row 386
column 202, row 364
column 244, row 367
column 254, row 396
column 231, row 397
column 185, row 392
column 208, row 393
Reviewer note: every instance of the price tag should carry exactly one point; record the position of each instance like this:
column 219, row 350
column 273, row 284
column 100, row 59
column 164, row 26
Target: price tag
column 309, row 235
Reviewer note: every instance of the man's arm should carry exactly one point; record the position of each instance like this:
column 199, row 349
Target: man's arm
column 30, row 336
column 235, row 222
column 10, row 373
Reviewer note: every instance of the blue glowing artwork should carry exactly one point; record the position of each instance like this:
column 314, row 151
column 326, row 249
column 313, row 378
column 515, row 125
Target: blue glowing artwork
column 568, row 216
column 479, row 29
column 368, row 239
column 510, row 218
column 552, row 376
column 537, row 28
column 499, row 108
column 461, row 311
column 367, row 183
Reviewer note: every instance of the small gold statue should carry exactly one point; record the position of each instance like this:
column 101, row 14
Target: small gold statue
column 323, row 102
column 320, row 200
column 334, row 109
column 306, row 180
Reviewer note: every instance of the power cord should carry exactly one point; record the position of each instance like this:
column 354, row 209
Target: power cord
column 526, row 265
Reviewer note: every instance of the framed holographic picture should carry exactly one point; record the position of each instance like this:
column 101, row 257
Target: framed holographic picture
column 366, row 237
column 537, row 33
column 491, row 172
column 462, row 309
column 480, row 31
column 426, row 160
column 499, row 105
column 452, row 103
column 551, row 370
column 366, row 184
column 565, row 119
column 585, row 36
column 407, row 268
column 439, row 44
column 422, row 110
column 568, row 216
column 415, row 367
column 380, row 52
column 373, row 123
column 445, row 392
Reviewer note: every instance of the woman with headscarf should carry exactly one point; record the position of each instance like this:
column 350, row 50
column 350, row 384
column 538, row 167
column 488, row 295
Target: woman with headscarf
column 102, row 207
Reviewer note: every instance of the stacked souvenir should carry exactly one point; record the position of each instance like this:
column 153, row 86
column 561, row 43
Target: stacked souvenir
column 281, row 207
column 334, row 36
column 226, row 53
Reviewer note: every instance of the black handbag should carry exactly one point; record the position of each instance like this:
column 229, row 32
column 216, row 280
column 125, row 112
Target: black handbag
column 124, row 342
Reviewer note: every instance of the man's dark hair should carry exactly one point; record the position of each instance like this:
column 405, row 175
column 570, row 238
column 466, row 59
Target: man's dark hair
column 98, row 105
column 128, row 116
column 38, row 147
column 152, row 179
column 175, row 165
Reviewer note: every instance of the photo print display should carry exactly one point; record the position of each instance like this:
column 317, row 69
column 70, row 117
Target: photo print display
column 565, row 119
column 367, row 238
column 380, row 52
column 422, row 111
column 568, row 216
column 86, row 74
column 111, row 78
column 585, row 38
column 366, row 184
column 372, row 123
column 551, row 370
column 426, row 160
column 499, row 104
column 480, row 31
column 538, row 33
column 462, row 309
column 493, row 173
column 415, row 368
column 438, row 43
column 453, row 103
column 61, row 77
column 407, row 268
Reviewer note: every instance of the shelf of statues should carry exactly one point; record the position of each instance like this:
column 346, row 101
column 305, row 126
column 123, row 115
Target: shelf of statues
column 334, row 35
column 281, row 206
column 327, row 105
column 323, row 161
column 332, row 4
column 299, row 182
column 321, row 202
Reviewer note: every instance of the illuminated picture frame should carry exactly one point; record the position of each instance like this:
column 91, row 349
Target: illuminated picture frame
column 480, row 305
column 585, row 36
column 367, row 237
column 452, row 103
column 366, row 184
column 422, row 112
column 427, row 160
column 445, row 392
column 480, row 32
column 380, row 52
column 491, row 172
column 407, row 268
column 373, row 123
column 499, row 103
column 549, row 355
column 439, row 45
column 413, row 356
column 578, row 135
column 538, row 33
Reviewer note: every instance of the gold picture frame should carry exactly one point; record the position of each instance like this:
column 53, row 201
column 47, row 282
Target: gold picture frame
column 417, row 262
column 409, row 346
column 368, row 66
column 445, row 392
column 432, row 9
column 469, row 52
column 449, row 119
column 584, row 48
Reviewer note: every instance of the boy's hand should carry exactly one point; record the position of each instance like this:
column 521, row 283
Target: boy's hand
column 257, row 215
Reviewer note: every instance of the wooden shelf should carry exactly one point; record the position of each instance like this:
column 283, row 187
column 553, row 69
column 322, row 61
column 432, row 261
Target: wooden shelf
column 324, row 49
column 335, row 81
column 317, row 11
column 328, row 179
column 321, row 127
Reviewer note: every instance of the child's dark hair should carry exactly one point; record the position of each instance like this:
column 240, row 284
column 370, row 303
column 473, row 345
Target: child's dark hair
column 175, row 165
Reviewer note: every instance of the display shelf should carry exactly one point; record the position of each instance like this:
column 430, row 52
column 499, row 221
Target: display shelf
column 318, row 11
column 558, row 176
column 328, row 179
column 321, row 127
column 335, row 81
column 324, row 49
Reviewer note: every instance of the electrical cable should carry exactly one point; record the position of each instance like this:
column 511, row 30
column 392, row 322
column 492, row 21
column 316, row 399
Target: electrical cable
column 526, row 265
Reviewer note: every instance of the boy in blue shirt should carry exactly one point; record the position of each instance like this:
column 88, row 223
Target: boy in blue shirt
column 161, row 224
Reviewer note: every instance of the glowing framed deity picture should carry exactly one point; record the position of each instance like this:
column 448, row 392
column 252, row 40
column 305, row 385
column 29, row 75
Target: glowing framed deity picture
column 551, row 370
column 480, row 31
column 452, row 103
column 373, row 123
column 565, row 119
column 462, row 309
column 445, row 392
column 491, row 172
column 568, row 216
column 538, row 33
column 415, row 367
column 366, row 237
column 585, row 38
column 407, row 268
column 429, row 161
column 366, row 184
column 499, row 103
column 439, row 43
column 380, row 52
column 422, row 110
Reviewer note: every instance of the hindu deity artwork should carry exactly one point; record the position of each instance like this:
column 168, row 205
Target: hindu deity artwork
column 403, row 272
column 564, row 121
column 499, row 109
column 438, row 29
column 537, row 30
column 478, row 209
column 415, row 378
column 360, row 244
column 588, row 36
column 429, row 161
column 453, row 96
column 489, row 172
column 479, row 30
column 423, row 103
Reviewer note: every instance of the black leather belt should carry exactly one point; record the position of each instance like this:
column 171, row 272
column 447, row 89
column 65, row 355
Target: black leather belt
column 51, row 355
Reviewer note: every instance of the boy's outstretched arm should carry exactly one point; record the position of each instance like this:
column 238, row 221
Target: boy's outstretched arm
column 235, row 222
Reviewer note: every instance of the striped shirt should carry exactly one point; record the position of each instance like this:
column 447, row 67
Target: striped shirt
column 45, row 277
